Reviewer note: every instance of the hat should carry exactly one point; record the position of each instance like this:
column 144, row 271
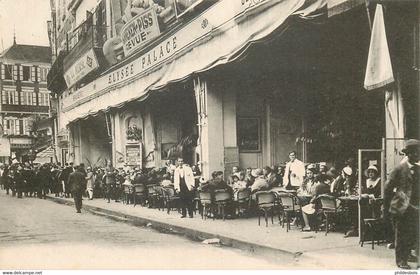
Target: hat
column 371, row 167
column 257, row 172
column 311, row 167
column 410, row 144
column 348, row 171
column 323, row 163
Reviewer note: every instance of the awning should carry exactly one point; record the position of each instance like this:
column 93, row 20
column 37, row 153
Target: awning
column 220, row 35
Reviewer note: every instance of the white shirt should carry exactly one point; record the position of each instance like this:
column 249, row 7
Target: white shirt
column 297, row 172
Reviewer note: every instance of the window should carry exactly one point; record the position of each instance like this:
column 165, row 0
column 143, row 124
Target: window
column 15, row 126
column 23, row 100
column 10, row 97
column 28, row 97
column 4, row 97
column 43, row 99
column 33, row 96
column 26, row 73
column 248, row 129
column 42, row 74
column 8, row 71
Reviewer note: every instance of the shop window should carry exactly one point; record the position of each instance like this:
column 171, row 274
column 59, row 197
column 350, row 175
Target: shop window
column 248, row 130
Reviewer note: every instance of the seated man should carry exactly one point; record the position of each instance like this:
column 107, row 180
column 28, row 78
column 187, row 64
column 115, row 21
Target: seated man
column 260, row 183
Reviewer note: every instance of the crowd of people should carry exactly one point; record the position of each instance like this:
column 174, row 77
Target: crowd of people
column 307, row 182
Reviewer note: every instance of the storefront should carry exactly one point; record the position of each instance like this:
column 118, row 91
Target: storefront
column 168, row 97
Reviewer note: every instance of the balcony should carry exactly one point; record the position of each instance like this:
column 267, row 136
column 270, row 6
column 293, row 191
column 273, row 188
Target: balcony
column 25, row 108
column 85, row 55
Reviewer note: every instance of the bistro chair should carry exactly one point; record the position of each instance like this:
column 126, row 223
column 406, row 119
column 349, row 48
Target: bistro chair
column 206, row 204
column 222, row 198
column 329, row 209
column 266, row 202
column 373, row 227
column 151, row 195
column 139, row 194
column 243, row 201
column 160, row 197
column 171, row 199
column 291, row 207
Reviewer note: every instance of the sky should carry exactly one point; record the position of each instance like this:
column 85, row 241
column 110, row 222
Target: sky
column 28, row 18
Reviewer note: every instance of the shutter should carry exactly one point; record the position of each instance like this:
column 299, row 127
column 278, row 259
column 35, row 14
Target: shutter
column 21, row 72
column 38, row 73
column 33, row 74
column 2, row 73
column 15, row 72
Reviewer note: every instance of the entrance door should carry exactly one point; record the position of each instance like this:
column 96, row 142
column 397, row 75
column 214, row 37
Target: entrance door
column 284, row 130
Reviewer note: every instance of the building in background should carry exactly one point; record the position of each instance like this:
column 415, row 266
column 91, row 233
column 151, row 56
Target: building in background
column 221, row 83
column 25, row 100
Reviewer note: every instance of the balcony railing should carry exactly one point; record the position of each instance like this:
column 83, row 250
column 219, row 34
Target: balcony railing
column 86, row 33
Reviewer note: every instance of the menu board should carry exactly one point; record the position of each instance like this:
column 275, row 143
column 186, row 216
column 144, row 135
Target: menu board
column 133, row 155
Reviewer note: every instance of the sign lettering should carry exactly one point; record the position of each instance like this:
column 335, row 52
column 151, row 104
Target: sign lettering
column 141, row 29
column 84, row 65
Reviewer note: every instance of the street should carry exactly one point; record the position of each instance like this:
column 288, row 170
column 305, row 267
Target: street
column 40, row 234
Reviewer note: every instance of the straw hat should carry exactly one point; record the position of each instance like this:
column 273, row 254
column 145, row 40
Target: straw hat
column 348, row 171
column 371, row 167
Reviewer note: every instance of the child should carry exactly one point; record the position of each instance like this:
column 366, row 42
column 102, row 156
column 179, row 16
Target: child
column 239, row 184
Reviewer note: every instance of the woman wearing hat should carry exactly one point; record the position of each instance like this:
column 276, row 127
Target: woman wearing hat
column 373, row 181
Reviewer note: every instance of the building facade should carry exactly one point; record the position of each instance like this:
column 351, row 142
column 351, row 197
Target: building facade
column 25, row 99
column 221, row 83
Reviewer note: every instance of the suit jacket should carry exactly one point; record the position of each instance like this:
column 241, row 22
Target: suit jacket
column 77, row 182
column 401, row 181
column 188, row 176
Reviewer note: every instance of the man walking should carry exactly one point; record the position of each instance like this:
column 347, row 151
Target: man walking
column 401, row 200
column 77, row 182
column 184, row 184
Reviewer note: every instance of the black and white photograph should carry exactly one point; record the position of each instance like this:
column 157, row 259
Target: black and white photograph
column 193, row 135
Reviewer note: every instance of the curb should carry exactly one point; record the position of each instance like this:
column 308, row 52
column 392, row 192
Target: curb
column 182, row 231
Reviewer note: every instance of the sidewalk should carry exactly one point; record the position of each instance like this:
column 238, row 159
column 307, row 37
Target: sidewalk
column 331, row 251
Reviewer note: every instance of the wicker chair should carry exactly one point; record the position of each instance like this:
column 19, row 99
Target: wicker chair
column 222, row 198
column 266, row 202
column 290, row 207
column 139, row 194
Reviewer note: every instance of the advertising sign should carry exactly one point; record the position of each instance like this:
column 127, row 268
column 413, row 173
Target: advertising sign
column 84, row 65
column 133, row 155
column 139, row 31
column 4, row 147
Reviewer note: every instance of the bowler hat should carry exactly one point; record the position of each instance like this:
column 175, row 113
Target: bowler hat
column 410, row 145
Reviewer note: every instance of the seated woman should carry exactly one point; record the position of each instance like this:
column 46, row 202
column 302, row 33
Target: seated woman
column 309, row 210
column 308, row 186
column 373, row 181
column 239, row 184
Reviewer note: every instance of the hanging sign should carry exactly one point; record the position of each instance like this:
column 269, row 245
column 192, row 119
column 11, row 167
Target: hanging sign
column 84, row 65
column 140, row 30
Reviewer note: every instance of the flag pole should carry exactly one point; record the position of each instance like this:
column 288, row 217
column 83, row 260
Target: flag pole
column 368, row 14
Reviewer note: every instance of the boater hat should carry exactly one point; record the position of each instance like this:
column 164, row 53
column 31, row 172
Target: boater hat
column 410, row 145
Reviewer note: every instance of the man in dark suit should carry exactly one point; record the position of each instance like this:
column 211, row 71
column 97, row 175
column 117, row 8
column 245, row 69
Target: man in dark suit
column 401, row 200
column 77, row 182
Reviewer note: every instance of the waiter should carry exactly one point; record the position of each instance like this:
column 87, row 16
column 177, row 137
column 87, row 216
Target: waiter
column 294, row 172
column 184, row 184
column 401, row 200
